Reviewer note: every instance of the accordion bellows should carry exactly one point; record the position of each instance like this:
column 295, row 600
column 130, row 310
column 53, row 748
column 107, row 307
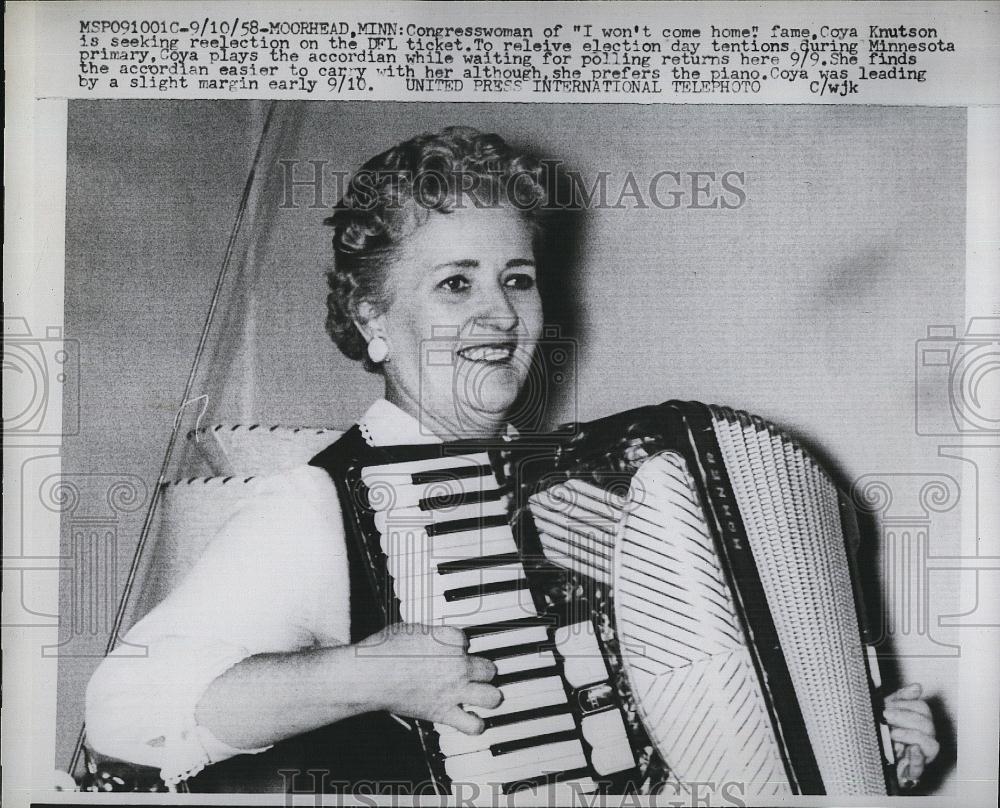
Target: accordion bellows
column 691, row 670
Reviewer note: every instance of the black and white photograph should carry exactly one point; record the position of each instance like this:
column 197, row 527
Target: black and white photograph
column 511, row 452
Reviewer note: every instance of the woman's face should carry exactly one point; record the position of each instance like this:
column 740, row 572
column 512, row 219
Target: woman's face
column 464, row 319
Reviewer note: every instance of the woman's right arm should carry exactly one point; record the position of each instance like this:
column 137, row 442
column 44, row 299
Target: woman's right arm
column 406, row 669
column 250, row 648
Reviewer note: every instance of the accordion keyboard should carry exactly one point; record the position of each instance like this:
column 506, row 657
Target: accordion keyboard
column 443, row 525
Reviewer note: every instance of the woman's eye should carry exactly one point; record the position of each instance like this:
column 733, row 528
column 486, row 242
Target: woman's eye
column 520, row 281
column 455, row 283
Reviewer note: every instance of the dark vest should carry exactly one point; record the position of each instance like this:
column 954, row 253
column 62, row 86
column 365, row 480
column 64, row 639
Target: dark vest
column 350, row 755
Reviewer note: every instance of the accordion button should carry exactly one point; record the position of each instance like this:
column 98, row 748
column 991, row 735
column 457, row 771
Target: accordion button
column 583, row 662
column 605, row 732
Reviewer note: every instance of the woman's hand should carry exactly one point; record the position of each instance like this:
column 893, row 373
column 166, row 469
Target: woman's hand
column 912, row 731
column 428, row 675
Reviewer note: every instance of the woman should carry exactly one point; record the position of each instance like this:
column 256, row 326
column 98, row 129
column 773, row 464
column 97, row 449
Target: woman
column 435, row 245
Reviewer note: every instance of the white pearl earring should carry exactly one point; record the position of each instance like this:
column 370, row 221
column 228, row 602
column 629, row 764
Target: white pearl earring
column 378, row 350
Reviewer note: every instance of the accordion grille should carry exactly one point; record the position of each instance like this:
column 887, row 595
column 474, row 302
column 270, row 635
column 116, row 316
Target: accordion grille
column 790, row 512
column 695, row 684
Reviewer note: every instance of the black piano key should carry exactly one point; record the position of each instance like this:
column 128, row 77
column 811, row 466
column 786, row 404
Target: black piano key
column 506, row 747
column 464, row 498
column 526, row 715
column 481, row 563
column 546, row 779
column 508, row 625
column 524, row 676
column 480, row 590
column 447, row 475
column 517, row 650
column 466, row 525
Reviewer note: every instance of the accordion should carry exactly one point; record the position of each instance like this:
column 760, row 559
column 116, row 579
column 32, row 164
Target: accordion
column 669, row 595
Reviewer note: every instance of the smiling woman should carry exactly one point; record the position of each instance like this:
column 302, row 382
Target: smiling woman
column 435, row 286
column 274, row 648
column 446, row 307
column 464, row 284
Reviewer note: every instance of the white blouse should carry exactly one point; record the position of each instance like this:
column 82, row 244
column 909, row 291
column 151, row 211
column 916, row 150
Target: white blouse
column 274, row 579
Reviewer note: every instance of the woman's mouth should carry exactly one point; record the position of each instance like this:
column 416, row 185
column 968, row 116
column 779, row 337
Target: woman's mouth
column 489, row 352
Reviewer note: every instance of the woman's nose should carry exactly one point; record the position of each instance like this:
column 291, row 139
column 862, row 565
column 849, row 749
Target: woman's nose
column 497, row 311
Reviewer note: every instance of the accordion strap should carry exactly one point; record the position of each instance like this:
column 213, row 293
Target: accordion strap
column 367, row 614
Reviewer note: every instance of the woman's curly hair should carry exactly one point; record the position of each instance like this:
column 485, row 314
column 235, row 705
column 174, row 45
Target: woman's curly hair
column 395, row 192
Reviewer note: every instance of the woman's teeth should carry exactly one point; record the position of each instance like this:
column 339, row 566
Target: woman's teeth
column 487, row 353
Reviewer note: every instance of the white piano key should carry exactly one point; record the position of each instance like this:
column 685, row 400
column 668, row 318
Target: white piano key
column 525, row 696
column 477, row 577
column 403, row 495
column 458, row 743
column 425, row 565
column 476, row 544
column 583, row 663
column 508, row 639
column 525, row 662
column 497, row 608
column 425, row 594
column 605, row 732
column 515, row 609
column 426, row 568
column 394, row 470
column 415, row 516
column 464, row 544
column 520, row 765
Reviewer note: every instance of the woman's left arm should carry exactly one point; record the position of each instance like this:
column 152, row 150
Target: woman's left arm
column 911, row 728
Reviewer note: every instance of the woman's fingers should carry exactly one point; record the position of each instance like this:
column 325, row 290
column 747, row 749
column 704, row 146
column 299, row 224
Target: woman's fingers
column 927, row 744
column 910, row 691
column 899, row 716
column 481, row 669
column 463, row 721
column 910, row 766
column 916, row 705
column 448, row 637
column 912, row 731
column 481, row 695
column 916, row 759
